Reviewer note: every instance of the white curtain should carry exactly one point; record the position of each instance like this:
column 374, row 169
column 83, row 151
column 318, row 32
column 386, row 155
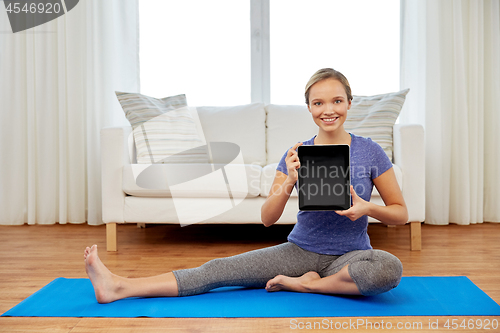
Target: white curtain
column 450, row 59
column 57, row 84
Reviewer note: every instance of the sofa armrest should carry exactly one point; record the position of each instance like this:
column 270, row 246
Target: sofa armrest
column 114, row 155
column 409, row 155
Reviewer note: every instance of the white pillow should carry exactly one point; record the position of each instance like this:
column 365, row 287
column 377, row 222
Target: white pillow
column 164, row 129
column 375, row 116
column 243, row 125
column 285, row 126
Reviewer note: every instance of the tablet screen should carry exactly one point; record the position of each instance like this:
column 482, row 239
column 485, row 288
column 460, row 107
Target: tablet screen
column 324, row 177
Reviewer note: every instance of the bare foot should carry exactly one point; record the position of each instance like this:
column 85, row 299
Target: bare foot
column 299, row 284
column 105, row 283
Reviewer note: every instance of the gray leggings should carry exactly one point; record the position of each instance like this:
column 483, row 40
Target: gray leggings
column 373, row 271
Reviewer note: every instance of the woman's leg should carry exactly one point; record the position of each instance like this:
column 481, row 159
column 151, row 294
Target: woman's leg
column 368, row 272
column 339, row 283
column 374, row 271
column 109, row 287
column 251, row 269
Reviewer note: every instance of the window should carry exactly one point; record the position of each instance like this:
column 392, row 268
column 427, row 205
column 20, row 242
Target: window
column 203, row 48
column 359, row 38
column 198, row 48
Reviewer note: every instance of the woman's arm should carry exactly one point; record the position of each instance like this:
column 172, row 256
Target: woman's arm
column 278, row 196
column 394, row 211
column 281, row 189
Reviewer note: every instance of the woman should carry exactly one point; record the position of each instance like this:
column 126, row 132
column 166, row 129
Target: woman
column 327, row 252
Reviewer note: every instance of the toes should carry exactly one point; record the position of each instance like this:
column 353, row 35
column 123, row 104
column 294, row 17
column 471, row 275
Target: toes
column 273, row 284
column 272, row 287
column 89, row 250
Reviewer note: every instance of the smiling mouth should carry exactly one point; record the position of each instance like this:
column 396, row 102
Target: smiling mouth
column 330, row 120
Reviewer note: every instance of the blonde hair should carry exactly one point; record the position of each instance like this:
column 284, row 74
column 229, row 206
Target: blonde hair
column 328, row 73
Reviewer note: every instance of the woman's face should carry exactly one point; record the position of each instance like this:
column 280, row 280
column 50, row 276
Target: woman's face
column 328, row 104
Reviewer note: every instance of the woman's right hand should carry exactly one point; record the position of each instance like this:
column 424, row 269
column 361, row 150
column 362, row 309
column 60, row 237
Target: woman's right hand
column 293, row 163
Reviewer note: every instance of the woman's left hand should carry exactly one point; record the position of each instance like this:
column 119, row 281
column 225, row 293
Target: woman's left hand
column 359, row 207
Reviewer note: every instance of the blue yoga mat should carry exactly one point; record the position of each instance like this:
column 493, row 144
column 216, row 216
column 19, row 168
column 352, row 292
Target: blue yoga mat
column 415, row 296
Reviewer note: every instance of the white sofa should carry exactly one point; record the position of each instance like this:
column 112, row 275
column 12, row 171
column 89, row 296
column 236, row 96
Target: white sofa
column 263, row 133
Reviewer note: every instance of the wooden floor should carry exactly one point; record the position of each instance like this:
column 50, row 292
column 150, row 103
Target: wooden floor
column 32, row 256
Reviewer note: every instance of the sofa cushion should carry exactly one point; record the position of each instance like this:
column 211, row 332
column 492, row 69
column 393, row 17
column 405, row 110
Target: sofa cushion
column 287, row 125
column 269, row 171
column 375, row 116
column 244, row 125
column 209, row 210
column 152, row 180
column 140, row 108
column 163, row 128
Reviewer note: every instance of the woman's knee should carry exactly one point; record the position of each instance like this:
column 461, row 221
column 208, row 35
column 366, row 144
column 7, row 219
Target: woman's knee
column 213, row 266
column 392, row 267
column 378, row 273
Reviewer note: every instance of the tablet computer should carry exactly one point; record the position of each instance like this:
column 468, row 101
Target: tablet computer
column 324, row 177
